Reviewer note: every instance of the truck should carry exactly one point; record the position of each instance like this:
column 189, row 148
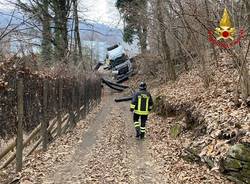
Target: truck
column 118, row 62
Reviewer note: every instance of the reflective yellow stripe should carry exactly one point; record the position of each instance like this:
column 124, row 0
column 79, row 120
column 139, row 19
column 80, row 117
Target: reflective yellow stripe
column 147, row 100
column 132, row 106
column 137, row 124
column 141, row 112
column 139, row 103
column 143, row 130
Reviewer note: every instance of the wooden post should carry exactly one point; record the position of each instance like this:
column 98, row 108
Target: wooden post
column 82, row 100
column 85, row 98
column 59, row 115
column 78, row 98
column 96, row 93
column 92, row 102
column 73, row 97
column 100, row 91
column 19, row 140
column 89, row 96
column 44, row 132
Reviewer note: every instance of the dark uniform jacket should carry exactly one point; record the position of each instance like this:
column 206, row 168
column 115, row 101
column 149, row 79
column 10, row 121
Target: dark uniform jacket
column 142, row 103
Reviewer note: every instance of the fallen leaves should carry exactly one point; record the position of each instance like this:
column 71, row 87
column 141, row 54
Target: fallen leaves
column 168, row 151
column 214, row 107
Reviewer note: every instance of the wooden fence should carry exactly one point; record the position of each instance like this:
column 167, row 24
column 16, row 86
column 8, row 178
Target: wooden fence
column 49, row 106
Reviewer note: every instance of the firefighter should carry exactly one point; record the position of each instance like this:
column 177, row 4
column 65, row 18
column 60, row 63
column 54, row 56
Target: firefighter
column 141, row 105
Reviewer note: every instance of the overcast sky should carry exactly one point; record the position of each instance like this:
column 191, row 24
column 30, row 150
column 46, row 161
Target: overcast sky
column 103, row 11
column 100, row 10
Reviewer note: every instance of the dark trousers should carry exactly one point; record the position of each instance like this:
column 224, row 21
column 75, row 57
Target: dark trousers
column 140, row 125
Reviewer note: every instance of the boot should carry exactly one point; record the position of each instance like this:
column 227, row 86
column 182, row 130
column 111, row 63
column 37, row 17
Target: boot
column 138, row 133
column 142, row 135
column 142, row 132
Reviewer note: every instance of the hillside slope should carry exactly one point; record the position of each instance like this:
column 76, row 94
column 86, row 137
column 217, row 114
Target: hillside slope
column 210, row 119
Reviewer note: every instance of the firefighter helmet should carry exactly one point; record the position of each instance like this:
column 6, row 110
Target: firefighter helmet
column 143, row 86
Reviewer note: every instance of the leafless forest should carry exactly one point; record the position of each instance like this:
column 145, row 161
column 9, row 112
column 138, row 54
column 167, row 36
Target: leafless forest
column 58, row 119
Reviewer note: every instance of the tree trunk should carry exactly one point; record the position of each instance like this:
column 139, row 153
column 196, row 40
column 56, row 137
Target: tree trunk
column 77, row 32
column 143, row 39
column 169, row 66
column 245, row 81
column 210, row 26
column 61, row 37
column 143, row 28
column 246, row 75
column 248, row 11
column 46, row 34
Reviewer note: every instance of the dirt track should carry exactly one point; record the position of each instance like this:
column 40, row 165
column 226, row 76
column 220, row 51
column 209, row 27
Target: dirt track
column 107, row 152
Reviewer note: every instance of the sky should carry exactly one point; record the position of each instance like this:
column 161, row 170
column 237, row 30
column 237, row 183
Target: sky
column 101, row 11
column 4, row 5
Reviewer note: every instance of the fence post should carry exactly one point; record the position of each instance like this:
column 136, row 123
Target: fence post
column 19, row 140
column 72, row 116
column 90, row 95
column 44, row 132
column 84, row 98
column 96, row 92
column 87, row 96
column 78, row 101
column 90, row 90
column 100, row 91
column 59, row 115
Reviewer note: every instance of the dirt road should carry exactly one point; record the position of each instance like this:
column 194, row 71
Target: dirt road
column 108, row 152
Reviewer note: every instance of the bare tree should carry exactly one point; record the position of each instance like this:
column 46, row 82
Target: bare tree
column 169, row 66
column 78, row 45
column 61, row 10
column 46, row 32
column 135, row 21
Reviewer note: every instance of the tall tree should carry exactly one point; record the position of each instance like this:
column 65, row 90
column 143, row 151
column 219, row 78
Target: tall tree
column 52, row 18
column 78, row 46
column 248, row 12
column 61, row 9
column 169, row 65
column 46, row 32
column 134, row 13
column 39, row 11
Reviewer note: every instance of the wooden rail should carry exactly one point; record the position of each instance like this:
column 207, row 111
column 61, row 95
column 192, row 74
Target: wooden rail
column 49, row 129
